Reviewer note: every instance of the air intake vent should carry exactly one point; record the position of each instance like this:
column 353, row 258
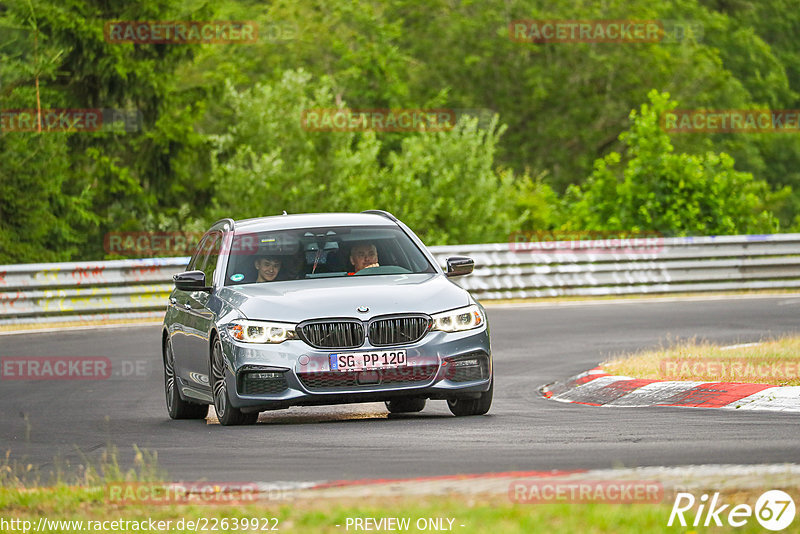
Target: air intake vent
column 474, row 366
column 268, row 383
column 401, row 376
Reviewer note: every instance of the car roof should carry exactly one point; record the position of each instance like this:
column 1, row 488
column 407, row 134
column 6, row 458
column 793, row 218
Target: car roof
column 312, row 220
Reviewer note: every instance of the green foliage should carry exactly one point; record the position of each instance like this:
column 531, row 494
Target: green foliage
column 220, row 133
column 536, row 202
column 444, row 186
column 674, row 194
column 266, row 162
column 38, row 218
column 440, row 183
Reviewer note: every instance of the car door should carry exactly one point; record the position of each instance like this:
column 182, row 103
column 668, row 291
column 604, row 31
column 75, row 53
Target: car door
column 184, row 329
column 201, row 317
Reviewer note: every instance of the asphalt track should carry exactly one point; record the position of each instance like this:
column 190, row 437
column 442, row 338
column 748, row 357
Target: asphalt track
column 55, row 423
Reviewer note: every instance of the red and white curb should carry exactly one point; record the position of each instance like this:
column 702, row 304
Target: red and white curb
column 598, row 388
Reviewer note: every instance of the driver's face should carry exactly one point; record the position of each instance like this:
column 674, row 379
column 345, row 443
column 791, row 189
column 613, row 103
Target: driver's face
column 267, row 269
column 363, row 255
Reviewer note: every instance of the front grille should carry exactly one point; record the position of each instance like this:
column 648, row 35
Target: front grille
column 457, row 372
column 332, row 334
column 398, row 330
column 349, row 379
column 262, row 383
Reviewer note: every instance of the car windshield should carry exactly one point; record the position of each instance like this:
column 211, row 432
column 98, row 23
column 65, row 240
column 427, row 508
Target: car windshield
column 327, row 252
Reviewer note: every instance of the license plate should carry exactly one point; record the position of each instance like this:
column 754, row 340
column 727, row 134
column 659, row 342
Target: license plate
column 350, row 361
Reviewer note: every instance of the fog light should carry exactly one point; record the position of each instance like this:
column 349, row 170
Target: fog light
column 465, row 363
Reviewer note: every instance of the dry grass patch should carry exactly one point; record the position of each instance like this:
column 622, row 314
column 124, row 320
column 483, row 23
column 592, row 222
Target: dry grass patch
column 771, row 361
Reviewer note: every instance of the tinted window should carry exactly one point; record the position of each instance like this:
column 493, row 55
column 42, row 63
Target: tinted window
column 200, row 254
column 211, row 250
column 206, row 255
column 310, row 253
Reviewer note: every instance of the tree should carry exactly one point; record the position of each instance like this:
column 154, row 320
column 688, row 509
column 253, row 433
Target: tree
column 42, row 214
column 655, row 189
column 442, row 184
column 136, row 175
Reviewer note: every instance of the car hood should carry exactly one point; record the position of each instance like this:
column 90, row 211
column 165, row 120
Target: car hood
column 298, row 300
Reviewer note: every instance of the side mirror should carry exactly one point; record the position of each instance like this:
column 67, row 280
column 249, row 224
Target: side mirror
column 459, row 265
column 191, row 281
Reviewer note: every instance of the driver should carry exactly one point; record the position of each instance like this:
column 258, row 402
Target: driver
column 364, row 256
column 268, row 268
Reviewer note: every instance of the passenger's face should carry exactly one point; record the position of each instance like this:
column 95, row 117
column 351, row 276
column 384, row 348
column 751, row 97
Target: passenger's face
column 363, row 255
column 267, row 269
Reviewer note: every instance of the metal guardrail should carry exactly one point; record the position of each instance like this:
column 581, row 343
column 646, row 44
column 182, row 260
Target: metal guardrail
column 668, row 265
column 126, row 289
column 81, row 291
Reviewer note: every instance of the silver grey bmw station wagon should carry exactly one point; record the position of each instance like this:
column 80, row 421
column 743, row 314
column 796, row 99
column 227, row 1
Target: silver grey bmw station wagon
column 318, row 309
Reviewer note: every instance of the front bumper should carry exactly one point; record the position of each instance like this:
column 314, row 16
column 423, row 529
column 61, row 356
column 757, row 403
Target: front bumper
column 271, row 377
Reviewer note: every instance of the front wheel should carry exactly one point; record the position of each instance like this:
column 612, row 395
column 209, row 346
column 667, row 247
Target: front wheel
column 227, row 414
column 176, row 406
column 479, row 406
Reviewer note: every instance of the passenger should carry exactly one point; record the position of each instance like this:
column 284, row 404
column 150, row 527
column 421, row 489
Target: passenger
column 268, row 268
column 364, row 256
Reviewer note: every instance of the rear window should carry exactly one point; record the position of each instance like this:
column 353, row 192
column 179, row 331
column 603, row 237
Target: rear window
column 311, row 253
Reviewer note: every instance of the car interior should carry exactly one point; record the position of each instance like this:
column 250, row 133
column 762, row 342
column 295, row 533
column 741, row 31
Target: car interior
column 323, row 253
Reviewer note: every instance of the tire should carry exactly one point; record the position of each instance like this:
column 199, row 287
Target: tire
column 227, row 414
column 479, row 406
column 405, row 405
column 176, row 406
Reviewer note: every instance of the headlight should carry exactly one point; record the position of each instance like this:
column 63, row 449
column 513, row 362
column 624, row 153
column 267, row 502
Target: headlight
column 261, row 331
column 458, row 320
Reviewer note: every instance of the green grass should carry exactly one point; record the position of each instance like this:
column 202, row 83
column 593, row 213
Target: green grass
column 21, row 474
column 82, row 493
column 477, row 514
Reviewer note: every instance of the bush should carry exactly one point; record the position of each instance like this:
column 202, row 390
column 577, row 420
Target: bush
column 442, row 184
column 41, row 219
column 674, row 194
